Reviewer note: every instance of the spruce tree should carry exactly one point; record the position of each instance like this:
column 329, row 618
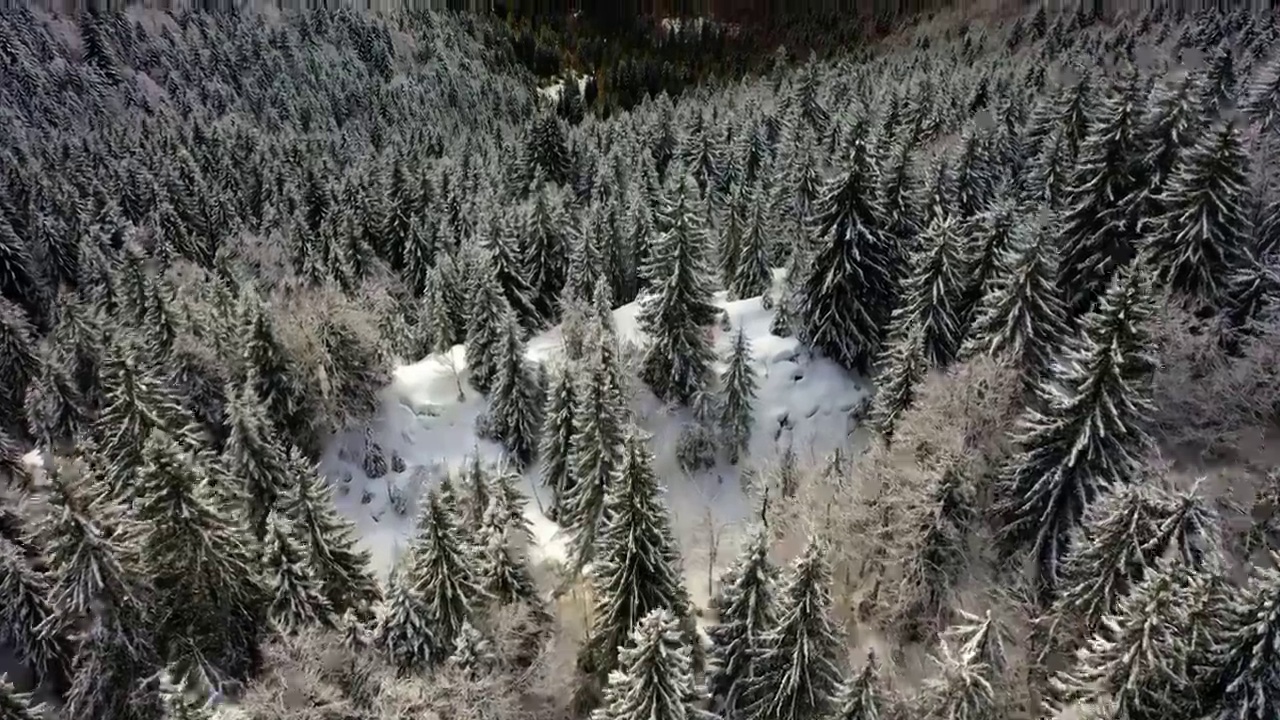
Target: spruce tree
column 17, row 706
column 731, row 229
column 655, row 676
column 405, row 632
column 485, row 325
column 960, row 690
column 863, row 698
column 343, row 569
column 1024, row 315
column 29, row 623
column 548, row 235
column 595, row 454
column 502, row 574
column 678, row 314
column 902, row 368
column 795, row 676
column 1243, row 684
column 514, row 400
column 1169, row 129
column 111, row 678
column 211, row 597
column 753, row 274
column 472, row 652
column 747, row 611
column 254, row 458
column 933, row 293
column 637, row 568
column 297, row 601
column 438, row 318
column 479, row 492
column 845, row 300
column 1088, row 433
column 443, row 577
column 557, row 439
column 1206, row 232
column 510, row 272
column 1099, row 222
column 738, row 384
column 996, row 232
column 1261, row 102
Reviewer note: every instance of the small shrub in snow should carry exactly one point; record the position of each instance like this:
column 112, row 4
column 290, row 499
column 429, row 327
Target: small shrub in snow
column 696, row 447
column 397, row 463
column 484, row 427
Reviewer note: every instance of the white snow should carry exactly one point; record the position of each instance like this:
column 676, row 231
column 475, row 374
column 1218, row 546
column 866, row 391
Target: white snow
column 802, row 399
column 552, row 92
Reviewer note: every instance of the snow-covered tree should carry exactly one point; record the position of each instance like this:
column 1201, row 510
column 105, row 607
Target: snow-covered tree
column 514, row 400
column 960, row 690
column 845, row 300
column 548, row 235
column 254, row 459
column 730, row 231
column 933, row 293
column 738, row 387
column 1206, row 231
column 637, row 568
column 753, row 271
column 444, row 577
column 863, row 697
column 595, row 455
column 29, row 623
column 472, row 652
column 795, row 676
column 486, row 324
column 17, row 706
column 557, row 438
column 678, row 314
column 1244, row 684
column 747, row 610
column 1088, row 433
column 654, row 680
column 902, row 368
column 297, row 600
column 996, row 233
column 405, row 631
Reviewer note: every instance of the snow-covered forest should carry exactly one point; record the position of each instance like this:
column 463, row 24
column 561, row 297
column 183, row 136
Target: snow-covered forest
column 430, row 365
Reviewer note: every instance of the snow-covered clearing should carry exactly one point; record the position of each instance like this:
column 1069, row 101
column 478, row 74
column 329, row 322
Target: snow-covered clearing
column 803, row 400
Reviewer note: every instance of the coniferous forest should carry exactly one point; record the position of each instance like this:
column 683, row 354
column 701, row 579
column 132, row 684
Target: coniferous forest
column 1049, row 242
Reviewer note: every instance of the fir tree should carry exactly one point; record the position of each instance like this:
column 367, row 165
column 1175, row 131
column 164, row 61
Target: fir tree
column 514, row 400
column 1205, row 234
column 253, row 458
column 1090, row 434
column 655, row 677
column 996, row 232
column 862, row 698
column 510, row 272
column 637, row 568
column 472, row 652
column 845, row 300
column 1098, row 227
column 1261, row 102
column 795, row 675
column 903, row 367
column 738, row 384
column 439, row 320
column 405, row 632
column 595, row 455
column 479, row 492
column 1023, row 316
column 29, row 624
column 503, row 576
column 211, row 599
column 677, row 316
column 19, row 363
column 111, row 678
column 1170, row 128
column 960, row 690
column 548, row 235
column 933, row 293
column 747, row 611
column 342, row 568
column 732, row 227
column 557, row 439
column 1243, row 684
column 443, row 578
column 297, row 600
column 485, row 326
column 753, row 274
column 17, row 706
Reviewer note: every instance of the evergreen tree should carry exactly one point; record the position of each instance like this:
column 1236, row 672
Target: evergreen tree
column 655, row 677
column 960, row 690
column 863, row 698
column 29, row 623
column 1099, row 223
column 177, row 704
column 439, row 320
column 405, row 632
column 548, row 235
column 343, row 569
column 472, row 652
column 996, row 232
column 443, row 578
column 17, row 706
column 747, row 611
column 503, row 576
column 677, row 316
column 845, row 300
column 253, row 458
column 637, row 568
column 903, row 367
column 297, row 600
column 557, row 439
column 19, row 363
column 1023, row 316
column 511, row 274
column 478, row 491
column 934, row 292
column 1243, row 684
column 1049, row 175
column 1088, row 434
column 753, row 274
column 111, row 678
column 732, row 227
column 1170, row 128
column 795, row 675
column 738, row 384
column 211, row 598
column 514, row 408
column 1205, row 234
column 1261, row 102
column 485, row 326
column 595, row 454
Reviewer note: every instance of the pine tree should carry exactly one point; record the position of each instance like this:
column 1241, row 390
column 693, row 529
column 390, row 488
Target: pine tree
column 297, row 600
column 731, row 229
column 511, row 273
column 996, row 232
column 753, row 274
column 503, row 576
column 846, row 298
column 443, row 577
column 548, row 235
column 795, row 675
column 19, row 363
column 903, row 367
column 1244, row 685
column 655, row 677
column 28, row 621
column 747, row 611
column 253, row 458
column 472, row 652
column 1090, row 434
column 933, row 293
column 738, row 384
column 514, row 407
column 636, row 570
column 486, row 324
column 960, row 690
column 595, row 454
column 405, row 632
column 1205, row 234
column 678, row 315
column 211, row 599
column 557, row 438
column 1099, row 224
column 342, row 568
column 863, row 698
column 17, row 706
